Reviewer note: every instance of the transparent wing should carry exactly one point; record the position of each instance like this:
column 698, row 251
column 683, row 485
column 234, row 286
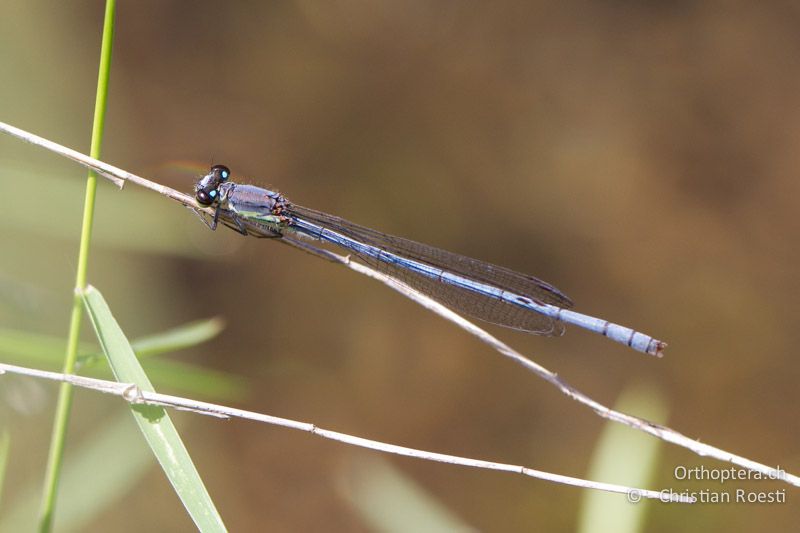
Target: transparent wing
column 484, row 307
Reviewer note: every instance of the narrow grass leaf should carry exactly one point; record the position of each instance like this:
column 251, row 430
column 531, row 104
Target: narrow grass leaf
column 628, row 457
column 172, row 340
column 28, row 348
column 191, row 380
column 47, row 352
column 86, row 491
column 153, row 421
column 5, row 446
column 386, row 499
column 175, row 339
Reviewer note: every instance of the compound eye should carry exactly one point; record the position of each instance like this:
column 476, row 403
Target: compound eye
column 221, row 172
column 205, row 197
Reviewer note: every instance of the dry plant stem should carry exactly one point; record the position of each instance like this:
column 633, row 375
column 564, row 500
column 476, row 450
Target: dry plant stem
column 134, row 395
column 662, row 432
column 110, row 172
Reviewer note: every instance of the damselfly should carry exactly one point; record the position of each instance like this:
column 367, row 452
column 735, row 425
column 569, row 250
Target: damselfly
column 479, row 289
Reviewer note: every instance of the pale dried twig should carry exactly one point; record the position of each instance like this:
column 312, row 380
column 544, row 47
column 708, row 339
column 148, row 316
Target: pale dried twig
column 135, row 396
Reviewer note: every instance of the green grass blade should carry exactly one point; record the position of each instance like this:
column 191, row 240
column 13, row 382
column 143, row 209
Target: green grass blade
column 184, row 336
column 153, row 421
column 86, row 490
column 5, row 446
column 64, row 405
column 29, row 348
column 388, row 500
column 191, row 380
column 46, row 352
column 624, row 456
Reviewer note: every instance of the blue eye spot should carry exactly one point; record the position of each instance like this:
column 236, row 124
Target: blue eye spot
column 224, row 175
column 213, row 194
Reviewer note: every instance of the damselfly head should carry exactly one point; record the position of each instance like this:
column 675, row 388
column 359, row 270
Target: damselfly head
column 206, row 190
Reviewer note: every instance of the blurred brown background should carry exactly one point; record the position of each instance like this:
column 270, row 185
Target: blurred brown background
column 641, row 157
